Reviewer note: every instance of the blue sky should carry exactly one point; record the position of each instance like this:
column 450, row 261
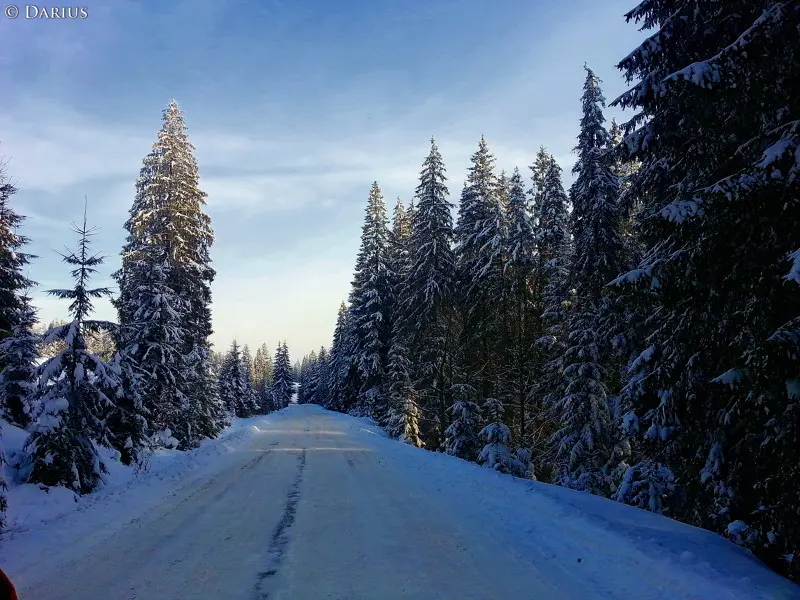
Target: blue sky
column 295, row 108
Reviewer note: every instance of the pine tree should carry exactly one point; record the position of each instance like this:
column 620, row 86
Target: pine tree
column 234, row 384
column 212, row 416
column 585, row 438
column 479, row 252
column 249, row 402
column 539, row 170
column 496, row 454
column 339, row 362
column 403, row 415
column 398, row 261
column 713, row 390
column 322, row 374
column 308, row 379
column 461, row 436
column 127, row 423
column 282, row 388
column 152, row 340
column 429, row 320
column 13, row 282
column 16, row 316
column 262, row 378
column 522, row 321
column 370, row 304
column 167, row 227
column 62, row 446
column 20, row 353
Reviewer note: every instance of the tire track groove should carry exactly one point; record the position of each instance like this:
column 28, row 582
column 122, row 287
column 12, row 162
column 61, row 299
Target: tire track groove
column 280, row 539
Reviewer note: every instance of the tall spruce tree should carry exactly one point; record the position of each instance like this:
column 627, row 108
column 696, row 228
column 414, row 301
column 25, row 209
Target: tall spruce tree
column 61, row 449
column 403, row 415
column 339, row 362
column 321, row 376
column 522, row 318
column 16, row 317
column 235, row 390
column 167, row 227
column 282, row 388
column 714, row 389
column 539, row 169
column 479, row 254
column 586, row 437
column 370, row 303
column 307, row 379
column 250, row 403
column 262, row 378
column 152, row 341
column 398, row 261
column 429, row 321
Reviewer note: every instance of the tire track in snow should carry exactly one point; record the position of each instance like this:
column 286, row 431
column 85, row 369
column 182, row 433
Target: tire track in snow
column 280, row 537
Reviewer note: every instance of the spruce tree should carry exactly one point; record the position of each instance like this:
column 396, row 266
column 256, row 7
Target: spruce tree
column 250, row 404
column 235, row 390
column 168, row 227
column 403, row 415
column 13, row 260
column 339, row 362
column 129, row 431
column 497, row 454
column 262, row 378
column 479, row 253
column 16, row 318
column 539, row 170
column 429, row 319
column 61, row 449
column 322, row 374
column 522, row 321
column 282, row 388
column 586, row 438
column 398, row 261
column 714, row 389
column 461, row 438
column 308, row 379
column 18, row 379
column 370, row 305
column 152, row 341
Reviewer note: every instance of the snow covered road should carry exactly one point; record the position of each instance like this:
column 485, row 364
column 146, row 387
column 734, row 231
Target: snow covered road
column 318, row 505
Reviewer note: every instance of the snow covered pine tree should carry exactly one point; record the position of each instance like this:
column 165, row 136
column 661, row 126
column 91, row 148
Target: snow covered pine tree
column 18, row 351
column 586, row 434
column 282, row 388
column 428, row 322
column 168, row 230
column 369, row 307
column 715, row 388
column 62, row 446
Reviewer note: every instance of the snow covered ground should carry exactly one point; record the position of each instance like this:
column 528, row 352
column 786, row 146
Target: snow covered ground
column 307, row 504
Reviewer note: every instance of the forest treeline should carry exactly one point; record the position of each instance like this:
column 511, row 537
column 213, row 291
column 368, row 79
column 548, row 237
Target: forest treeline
column 635, row 336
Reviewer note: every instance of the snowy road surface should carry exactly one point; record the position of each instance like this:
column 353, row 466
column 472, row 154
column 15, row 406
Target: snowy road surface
column 317, row 505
